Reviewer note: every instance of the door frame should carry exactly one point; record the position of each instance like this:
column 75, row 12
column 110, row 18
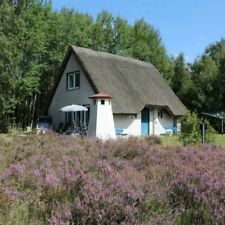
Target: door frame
column 147, row 111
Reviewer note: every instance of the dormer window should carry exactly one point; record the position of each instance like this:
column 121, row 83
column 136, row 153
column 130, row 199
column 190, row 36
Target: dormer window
column 73, row 80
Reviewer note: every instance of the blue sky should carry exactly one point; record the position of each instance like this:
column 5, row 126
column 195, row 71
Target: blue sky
column 185, row 26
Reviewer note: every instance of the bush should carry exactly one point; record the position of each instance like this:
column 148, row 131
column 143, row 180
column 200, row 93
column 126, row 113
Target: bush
column 191, row 132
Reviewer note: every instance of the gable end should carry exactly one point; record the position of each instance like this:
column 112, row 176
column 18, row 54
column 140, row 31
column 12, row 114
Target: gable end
column 70, row 51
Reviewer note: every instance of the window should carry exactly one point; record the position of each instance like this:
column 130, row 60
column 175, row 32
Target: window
column 77, row 80
column 73, row 80
column 70, row 81
column 102, row 102
column 160, row 114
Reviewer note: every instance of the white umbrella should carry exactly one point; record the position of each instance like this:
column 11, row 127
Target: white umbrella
column 73, row 108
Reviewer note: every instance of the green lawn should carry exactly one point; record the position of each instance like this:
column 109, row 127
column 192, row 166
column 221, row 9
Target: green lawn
column 174, row 140
column 220, row 140
column 166, row 140
column 170, row 140
column 5, row 138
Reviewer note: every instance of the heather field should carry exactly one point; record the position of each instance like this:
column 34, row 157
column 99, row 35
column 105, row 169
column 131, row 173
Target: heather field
column 59, row 180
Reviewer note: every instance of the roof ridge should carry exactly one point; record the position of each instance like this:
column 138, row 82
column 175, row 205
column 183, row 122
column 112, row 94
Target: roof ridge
column 111, row 55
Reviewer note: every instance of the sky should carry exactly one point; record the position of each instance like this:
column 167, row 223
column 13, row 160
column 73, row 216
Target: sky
column 185, row 26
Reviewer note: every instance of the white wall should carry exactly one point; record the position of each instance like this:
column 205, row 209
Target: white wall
column 105, row 127
column 161, row 123
column 131, row 126
column 65, row 97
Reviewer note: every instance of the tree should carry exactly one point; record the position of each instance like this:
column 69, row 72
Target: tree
column 122, row 33
column 182, row 83
column 204, row 73
column 217, row 52
column 103, row 33
column 24, row 28
column 64, row 28
column 147, row 46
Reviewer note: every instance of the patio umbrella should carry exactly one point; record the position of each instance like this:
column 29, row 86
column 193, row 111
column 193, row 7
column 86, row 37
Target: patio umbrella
column 73, row 108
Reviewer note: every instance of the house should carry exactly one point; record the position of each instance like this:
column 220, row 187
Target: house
column 124, row 96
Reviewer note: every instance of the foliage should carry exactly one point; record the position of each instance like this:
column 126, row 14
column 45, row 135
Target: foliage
column 181, row 81
column 200, row 84
column 208, row 76
column 191, row 131
column 34, row 40
column 62, row 180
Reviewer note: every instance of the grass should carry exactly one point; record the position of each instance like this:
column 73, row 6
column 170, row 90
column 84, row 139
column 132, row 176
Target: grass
column 174, row 140
column 220, row 140
column 12, row 134
column 165, row 140
column 170, row 140
column 5, row 137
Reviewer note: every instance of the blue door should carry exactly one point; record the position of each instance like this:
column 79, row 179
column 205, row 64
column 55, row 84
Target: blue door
column 145, row 122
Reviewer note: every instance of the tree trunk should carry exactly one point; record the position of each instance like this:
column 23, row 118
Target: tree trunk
column 33, row 110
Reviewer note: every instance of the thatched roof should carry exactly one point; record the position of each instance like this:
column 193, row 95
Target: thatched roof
column 133, row 84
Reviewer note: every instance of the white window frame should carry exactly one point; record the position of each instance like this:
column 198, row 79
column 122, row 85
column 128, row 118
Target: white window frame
column 73, row 74
column 68, row 81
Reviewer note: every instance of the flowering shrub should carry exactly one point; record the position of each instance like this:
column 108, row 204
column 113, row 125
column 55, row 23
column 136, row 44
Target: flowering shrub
column 59, row 180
